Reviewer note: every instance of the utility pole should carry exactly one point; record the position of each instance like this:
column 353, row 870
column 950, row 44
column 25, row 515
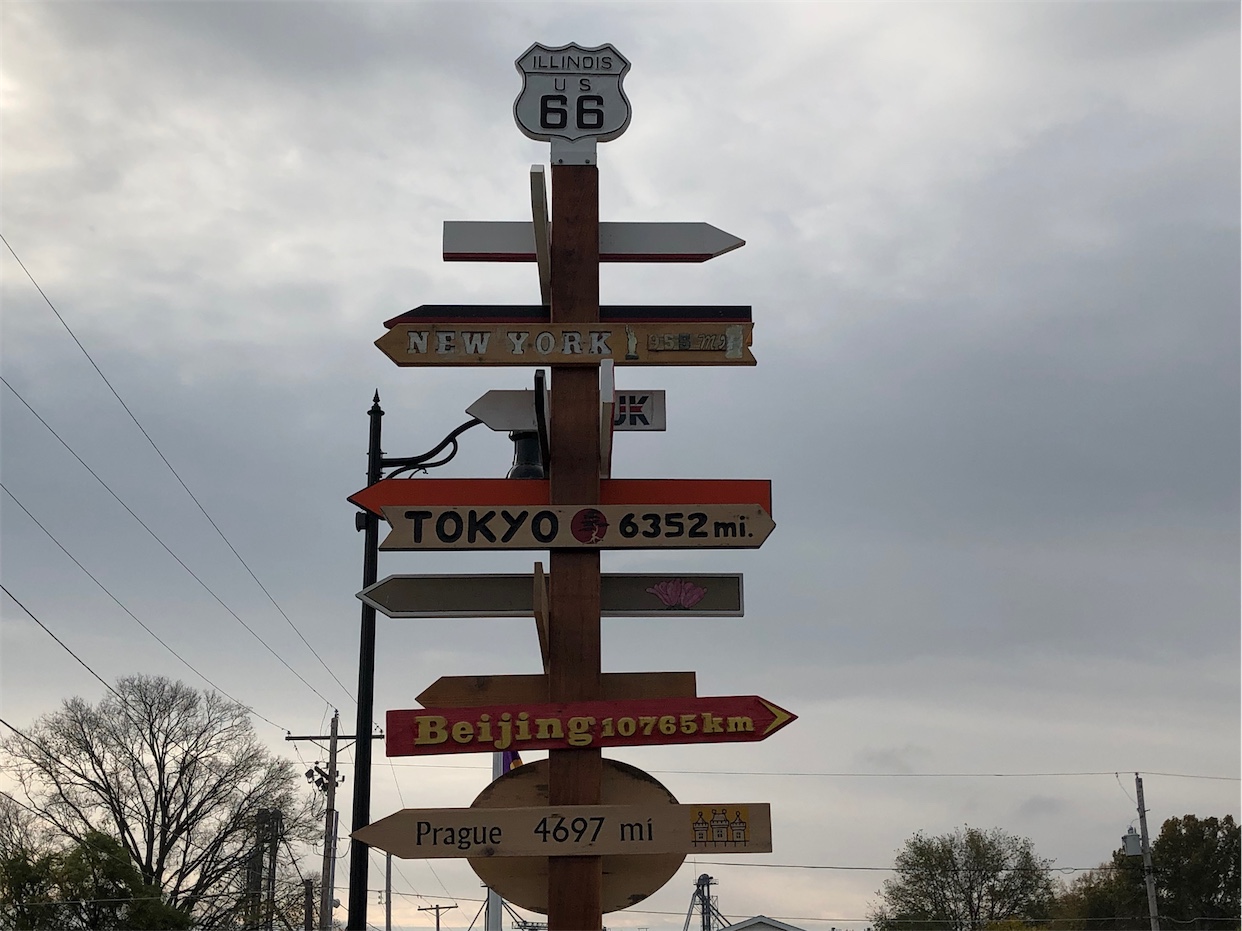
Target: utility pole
column 328, row 873
column 308, row 904
column 327, row 781
column 1148, row 875
column 369, row 524
column 388, row 892
column 272, row 827
column 437, row 909
column 492, row 918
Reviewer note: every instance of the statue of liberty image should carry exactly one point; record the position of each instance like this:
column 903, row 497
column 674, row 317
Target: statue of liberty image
column 631, row 343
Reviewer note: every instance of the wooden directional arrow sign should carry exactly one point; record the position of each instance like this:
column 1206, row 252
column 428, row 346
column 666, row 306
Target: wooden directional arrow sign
column 502, row 241
column 601, row 527
column 534, row 314
column 513, row 595
column 453, row 344
column 515, row 410
column 451, row 514
column 476, row 691
column 573, row 831
column 560, row 726
column 510, row 492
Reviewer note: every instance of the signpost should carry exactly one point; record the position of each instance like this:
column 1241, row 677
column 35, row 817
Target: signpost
column 586, row 343
column 515, row 241
column 478, row 691
column 513, row 595
column 507, row 492
column 574, row 835
column 515, row 410
column 580, row 724
column 573, row 831
column 534, row 314
column 577, row 526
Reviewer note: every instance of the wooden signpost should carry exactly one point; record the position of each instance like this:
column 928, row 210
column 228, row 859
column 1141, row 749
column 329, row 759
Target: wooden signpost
column 576, row 526
column 586, row 343
column 534, row 314
column 573, row 831
column 533, row 492
column 565, row 725
column 480, row 691
column 513, row 595
column 574, row 835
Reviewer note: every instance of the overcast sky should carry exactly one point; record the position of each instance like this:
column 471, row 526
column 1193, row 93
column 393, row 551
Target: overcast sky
column 993, row 256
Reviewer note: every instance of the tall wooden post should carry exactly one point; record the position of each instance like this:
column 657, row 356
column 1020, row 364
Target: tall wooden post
column 575, row 884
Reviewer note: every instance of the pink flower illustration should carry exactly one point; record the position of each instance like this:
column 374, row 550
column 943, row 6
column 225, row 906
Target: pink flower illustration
column 677, row 593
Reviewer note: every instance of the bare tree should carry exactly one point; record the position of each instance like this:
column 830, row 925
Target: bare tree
column 964, row 881
column 178, row 776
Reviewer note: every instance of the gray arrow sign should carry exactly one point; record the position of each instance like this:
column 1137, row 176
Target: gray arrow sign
column 514, row 241
column 504, row 410
column 621, row 595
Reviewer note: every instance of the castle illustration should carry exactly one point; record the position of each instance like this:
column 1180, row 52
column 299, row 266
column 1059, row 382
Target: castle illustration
column 719, row 831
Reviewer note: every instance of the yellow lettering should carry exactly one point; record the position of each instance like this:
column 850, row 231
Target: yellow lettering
column 580, row 731
column 429, row 729
column 548, row 729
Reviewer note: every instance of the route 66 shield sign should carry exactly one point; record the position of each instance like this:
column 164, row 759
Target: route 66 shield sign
column 572, row 93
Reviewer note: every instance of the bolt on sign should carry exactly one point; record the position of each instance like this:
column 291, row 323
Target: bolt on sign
column 573, row 831
column 570, row 725
column 695, row 343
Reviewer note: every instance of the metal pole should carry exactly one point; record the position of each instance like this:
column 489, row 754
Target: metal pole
column 274, row 826
column 308, row 904
column 358, row 856
column 492, row 920
column 388, row 892
column 329, row 833
column 1149, row 877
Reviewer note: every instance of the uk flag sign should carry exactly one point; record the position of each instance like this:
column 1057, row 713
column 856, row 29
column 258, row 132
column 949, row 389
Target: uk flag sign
column 638, row 410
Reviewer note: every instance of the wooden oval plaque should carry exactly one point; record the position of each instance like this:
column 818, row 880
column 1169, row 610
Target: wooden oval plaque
column 628, row 879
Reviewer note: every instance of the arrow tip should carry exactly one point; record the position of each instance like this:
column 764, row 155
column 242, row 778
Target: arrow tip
column 780, row 717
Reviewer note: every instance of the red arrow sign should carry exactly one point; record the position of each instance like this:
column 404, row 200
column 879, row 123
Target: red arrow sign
column 501, row 492
column 570, row 725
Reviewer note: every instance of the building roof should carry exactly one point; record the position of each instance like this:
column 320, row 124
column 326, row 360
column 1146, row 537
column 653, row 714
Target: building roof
column 761, row 923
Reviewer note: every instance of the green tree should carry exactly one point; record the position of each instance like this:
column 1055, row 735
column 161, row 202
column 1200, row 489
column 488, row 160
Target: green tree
column 1111, row 897
column 1195, row 862
column 964, row 881
column 88, row 885
column 175, row 775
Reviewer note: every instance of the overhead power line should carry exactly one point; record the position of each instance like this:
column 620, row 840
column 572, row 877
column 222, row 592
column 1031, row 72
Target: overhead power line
column 207, row 588
column 834, row 775
column 158, row 639
column 172, row 470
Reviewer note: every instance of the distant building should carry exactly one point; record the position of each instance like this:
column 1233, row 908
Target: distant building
column 761, row 923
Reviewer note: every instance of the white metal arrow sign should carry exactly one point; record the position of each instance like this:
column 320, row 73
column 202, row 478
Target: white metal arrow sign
column 515, row 410
column 514, row 241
